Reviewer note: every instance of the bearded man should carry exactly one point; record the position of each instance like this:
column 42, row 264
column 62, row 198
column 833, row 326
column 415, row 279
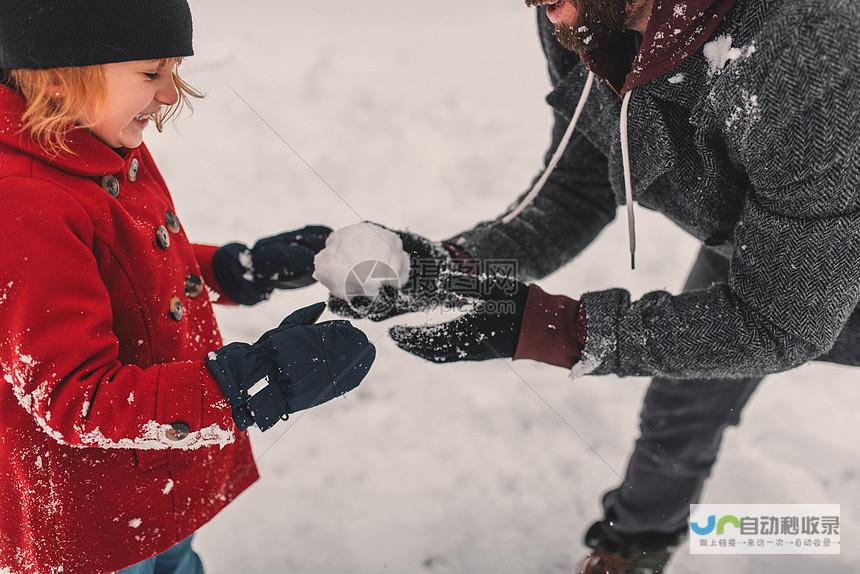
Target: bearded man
column 736, row 119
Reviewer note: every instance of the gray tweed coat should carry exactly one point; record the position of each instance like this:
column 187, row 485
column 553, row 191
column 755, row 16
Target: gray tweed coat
column 755, row 151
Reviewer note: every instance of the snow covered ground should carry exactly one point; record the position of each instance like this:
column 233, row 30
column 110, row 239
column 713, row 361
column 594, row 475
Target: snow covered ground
column 430, row 115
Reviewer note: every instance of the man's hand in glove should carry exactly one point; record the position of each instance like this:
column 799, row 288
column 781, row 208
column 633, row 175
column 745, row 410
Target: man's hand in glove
column 431, row 264
column 284, row 261
column 511, row 320
column 294, row 367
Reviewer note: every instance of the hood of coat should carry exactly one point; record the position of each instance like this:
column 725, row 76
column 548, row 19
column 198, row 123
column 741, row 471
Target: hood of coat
column 89, row 156
column 676, row 30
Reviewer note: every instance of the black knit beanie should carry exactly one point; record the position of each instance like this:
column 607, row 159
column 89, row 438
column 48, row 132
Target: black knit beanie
column 61, row 33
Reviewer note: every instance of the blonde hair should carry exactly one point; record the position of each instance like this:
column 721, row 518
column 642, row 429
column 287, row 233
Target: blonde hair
column 49, row 118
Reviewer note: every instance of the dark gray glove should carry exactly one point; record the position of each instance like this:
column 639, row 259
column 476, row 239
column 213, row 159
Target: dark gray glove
column 430, row 285
column 490, row 331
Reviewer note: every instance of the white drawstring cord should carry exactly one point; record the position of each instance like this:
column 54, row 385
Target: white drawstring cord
column 556, row 157
column 628, row 180
column 562, row 146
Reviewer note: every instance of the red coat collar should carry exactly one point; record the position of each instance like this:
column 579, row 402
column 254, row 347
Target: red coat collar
column 90, row 157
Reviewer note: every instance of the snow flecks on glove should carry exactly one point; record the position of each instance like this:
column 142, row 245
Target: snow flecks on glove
column 441, row 343
column 469, row 338
column 247, row 264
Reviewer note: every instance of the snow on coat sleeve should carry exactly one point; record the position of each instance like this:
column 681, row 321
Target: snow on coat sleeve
column 58, row 352
column 571, row 210
column 794, row 279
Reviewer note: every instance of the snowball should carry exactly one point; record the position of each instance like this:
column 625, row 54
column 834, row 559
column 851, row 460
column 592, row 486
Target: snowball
column 360, row 259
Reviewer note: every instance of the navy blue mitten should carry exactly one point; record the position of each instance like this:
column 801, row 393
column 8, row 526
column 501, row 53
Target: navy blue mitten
column 296, row 366
column 284, row 261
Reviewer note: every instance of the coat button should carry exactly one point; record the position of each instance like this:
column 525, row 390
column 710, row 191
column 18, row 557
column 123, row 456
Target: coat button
column 133, row 168
column 193, row 285
column 176, row 309
column 110, row 185
column 177, row 432
column 171, row 221
column 162, row 237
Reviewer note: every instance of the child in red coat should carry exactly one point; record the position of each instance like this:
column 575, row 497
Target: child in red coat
column 123, row 413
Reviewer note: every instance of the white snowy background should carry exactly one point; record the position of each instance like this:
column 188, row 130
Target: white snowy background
column 430, row 116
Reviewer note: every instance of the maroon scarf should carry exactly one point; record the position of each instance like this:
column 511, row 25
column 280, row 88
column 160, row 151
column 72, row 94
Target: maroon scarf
column 677, row 29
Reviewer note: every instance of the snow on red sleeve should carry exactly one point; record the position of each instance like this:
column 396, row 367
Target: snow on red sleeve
column 59, row 353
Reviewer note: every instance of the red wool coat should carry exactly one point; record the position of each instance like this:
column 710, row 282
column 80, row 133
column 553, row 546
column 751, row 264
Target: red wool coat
column 115, row 441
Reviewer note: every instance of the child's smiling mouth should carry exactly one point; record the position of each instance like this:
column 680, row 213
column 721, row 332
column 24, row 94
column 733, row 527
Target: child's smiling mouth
column 142, row 120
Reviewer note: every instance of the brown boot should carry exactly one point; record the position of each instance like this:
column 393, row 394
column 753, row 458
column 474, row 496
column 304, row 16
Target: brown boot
column 613, row 553
column 599, row 562
column 602, row 563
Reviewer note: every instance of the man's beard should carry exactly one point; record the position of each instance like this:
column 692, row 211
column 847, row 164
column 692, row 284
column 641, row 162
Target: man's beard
column 600, row 22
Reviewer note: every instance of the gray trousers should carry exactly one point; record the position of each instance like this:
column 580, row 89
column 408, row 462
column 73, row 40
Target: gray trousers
column 681, row 427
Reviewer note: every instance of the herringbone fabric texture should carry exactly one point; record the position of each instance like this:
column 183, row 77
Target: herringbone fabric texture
column 751, row 146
